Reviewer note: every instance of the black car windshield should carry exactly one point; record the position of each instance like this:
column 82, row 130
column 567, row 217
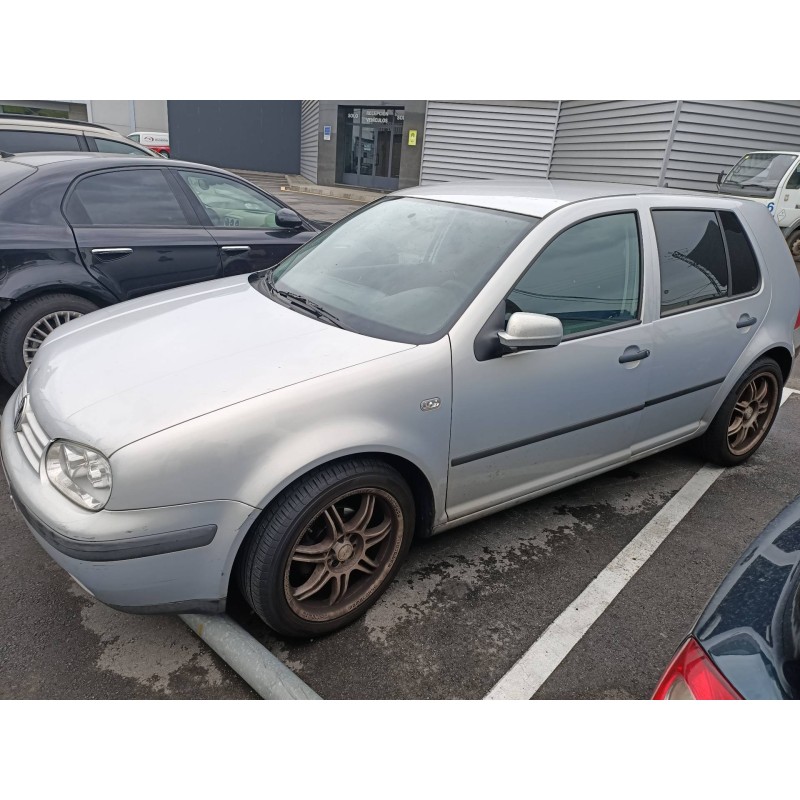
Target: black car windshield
column 757, row 174
column 403, row 268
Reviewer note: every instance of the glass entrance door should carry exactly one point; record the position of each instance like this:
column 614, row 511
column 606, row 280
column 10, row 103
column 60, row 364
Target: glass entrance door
column 372, row 145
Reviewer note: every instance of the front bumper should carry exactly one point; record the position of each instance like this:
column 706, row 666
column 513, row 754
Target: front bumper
column 151, row 560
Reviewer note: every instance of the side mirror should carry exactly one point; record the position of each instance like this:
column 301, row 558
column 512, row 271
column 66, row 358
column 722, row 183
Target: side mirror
column 526, row 331
column 720, row 176
column 286, row 218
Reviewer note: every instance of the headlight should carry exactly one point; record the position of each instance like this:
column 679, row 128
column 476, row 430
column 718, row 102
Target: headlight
column 79, row 473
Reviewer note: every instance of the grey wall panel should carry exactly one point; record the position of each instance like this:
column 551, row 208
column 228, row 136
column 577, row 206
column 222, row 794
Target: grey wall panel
column 309, row 139
column 260, row 135
column 712, row 135
column 487, row 139
column 612, row 140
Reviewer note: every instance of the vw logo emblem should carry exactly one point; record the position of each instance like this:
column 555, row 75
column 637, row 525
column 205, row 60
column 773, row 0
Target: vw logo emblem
column 20, row 413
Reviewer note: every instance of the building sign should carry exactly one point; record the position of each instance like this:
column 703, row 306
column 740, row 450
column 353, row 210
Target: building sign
column 326, row 133
column 412, row 138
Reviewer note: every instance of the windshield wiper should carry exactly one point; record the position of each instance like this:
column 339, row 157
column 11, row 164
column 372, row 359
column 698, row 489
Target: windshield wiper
column 303, row 302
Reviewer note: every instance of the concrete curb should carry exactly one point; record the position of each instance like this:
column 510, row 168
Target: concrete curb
column 297, row 183
column 268, row 676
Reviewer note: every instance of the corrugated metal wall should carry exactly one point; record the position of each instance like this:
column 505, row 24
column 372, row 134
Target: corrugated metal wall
column 712, row 135
column 613, row 140
column 681, row 143
column 487, row 139
column 309, row 138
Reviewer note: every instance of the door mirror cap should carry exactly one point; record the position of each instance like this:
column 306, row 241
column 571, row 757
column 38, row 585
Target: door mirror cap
column 286, row 218
column 526, row 331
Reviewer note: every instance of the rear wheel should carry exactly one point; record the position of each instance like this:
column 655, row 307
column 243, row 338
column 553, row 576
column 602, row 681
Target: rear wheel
column 328, row 547
column 26, row 325
column 743, row 422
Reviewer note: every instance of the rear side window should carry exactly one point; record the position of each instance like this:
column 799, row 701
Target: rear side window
column 37, row 141
column 125, row 197
column 113, row 146
column 691, row 256
column 745, row 276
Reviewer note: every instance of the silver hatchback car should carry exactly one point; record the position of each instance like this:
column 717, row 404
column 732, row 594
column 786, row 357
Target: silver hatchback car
column 442, row 354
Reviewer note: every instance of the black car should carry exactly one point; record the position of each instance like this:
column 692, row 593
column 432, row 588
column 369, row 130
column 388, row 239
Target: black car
column 746, row 644
column 81, row 231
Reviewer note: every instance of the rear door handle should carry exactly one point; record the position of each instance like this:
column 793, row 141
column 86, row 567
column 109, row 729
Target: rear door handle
column 236, row 248
column 111, row 252
column 745, row 321
column 633, row 353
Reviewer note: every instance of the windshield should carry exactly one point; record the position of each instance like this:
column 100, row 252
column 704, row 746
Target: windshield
column 757, row 174
column 403, row 268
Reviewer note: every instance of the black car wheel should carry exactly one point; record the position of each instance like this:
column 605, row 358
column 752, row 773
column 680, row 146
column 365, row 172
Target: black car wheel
column 26, row 325
column 744, row 419
column 794, row 245
column 328, row 547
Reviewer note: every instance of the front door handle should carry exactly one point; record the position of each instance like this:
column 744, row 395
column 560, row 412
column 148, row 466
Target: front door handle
column 745, row 321
column 633, row 353
column 236, row 248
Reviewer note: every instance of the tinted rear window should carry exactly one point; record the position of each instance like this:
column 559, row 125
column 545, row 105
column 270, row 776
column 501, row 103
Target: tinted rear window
column 691, row 255
column 745, row 276
column 37, row 141
column 125, row 197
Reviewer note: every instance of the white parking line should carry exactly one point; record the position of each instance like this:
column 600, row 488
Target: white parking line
column 539, row 662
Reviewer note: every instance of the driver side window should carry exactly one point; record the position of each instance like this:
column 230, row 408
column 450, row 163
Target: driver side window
column 589, row 276
column 230, row 204
column 794, row 180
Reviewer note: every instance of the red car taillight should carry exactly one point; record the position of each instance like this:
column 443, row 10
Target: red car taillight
column 693, row 676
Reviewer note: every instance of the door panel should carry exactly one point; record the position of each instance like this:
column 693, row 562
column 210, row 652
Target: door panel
column 136, row 235
column 524, row 421
column 694, row 349
column 241, row 220
column 575, row 403
column 789, row 197
column 159, row 258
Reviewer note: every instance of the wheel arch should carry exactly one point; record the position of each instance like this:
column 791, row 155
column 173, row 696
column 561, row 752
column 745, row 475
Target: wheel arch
column 782, row 356
column 421, row 489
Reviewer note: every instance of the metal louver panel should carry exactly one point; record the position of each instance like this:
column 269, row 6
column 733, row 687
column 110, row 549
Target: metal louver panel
column 309, row 138
column 468, row 140
column 622, row 141
column 712, row 135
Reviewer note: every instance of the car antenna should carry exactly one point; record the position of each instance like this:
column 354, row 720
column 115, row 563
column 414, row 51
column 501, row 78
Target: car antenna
column 4, row 154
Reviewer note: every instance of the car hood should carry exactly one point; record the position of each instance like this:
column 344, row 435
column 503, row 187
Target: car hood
column 133, row 369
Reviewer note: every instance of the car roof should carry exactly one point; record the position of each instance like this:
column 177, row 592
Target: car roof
column 533, row 196
column 79, row 161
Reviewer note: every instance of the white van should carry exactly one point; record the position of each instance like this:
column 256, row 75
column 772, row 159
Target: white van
column 157, row 142
column 772, row 178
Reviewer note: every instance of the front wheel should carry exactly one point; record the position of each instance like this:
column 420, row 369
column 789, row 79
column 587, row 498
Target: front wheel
column 743, row 422
column 328, row 547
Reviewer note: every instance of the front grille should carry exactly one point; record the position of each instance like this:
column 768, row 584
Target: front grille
column 32, row 439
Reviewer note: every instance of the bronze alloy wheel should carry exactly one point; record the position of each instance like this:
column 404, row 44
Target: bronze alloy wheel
column 752, row 413
column 344, row 555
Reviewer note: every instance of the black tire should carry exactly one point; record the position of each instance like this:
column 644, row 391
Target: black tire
column 20, row 319
column 268, row 565
column 794, row 244
column 715, row 445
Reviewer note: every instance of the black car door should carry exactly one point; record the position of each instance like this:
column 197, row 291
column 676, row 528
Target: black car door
column 137, row 233
column 242, row 221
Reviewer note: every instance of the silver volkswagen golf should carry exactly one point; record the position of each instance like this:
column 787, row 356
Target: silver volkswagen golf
column 442, row 354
